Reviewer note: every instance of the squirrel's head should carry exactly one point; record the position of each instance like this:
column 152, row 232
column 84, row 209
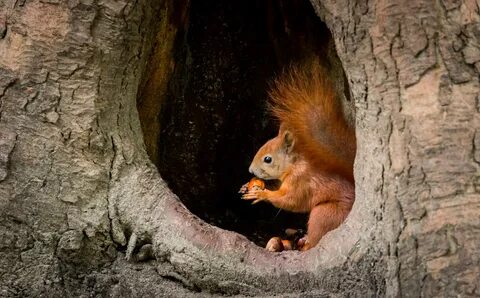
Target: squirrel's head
column 273, row 159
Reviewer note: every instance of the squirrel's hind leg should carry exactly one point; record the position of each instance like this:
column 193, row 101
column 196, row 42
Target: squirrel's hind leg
column 323, row 218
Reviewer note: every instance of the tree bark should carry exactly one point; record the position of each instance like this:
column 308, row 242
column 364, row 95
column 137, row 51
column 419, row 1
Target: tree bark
column 84, row 212
column 413, row 68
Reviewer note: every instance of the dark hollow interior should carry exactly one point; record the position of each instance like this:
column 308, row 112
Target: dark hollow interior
column 213, row 115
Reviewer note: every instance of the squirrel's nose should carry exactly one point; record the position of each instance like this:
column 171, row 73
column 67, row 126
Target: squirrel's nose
column 250, row 169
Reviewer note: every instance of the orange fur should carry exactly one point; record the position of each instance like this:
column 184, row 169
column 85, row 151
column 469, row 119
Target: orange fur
column 304, row 101
column 312, row 155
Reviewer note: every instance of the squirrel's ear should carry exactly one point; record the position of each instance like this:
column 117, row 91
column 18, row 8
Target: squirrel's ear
column 288, row 141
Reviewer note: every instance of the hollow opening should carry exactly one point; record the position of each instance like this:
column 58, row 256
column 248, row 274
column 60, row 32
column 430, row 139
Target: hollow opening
column 202, row 103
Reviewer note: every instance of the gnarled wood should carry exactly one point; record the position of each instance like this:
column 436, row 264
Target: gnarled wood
column 78, row 193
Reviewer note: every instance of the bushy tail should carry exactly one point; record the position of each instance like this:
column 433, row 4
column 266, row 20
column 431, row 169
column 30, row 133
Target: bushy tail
column 304, row 101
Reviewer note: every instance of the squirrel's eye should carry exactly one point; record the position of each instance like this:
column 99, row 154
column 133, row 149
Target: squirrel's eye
column 267, row 159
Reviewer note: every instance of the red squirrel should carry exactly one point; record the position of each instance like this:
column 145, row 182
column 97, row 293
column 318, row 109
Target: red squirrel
column 312, row 156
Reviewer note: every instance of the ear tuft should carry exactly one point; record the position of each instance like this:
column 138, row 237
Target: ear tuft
column 287, row 141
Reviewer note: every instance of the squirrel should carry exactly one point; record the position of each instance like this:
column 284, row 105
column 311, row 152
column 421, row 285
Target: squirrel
column 313, row 154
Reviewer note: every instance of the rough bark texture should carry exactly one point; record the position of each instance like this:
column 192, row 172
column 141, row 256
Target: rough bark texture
column 78, row 192
column 413, row 67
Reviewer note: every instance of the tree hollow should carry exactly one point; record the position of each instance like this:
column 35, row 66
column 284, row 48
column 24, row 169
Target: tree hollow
column 203, row 107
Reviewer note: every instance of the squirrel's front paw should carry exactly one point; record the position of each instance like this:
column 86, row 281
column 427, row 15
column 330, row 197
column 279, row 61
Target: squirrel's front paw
column 256, row 195
column 254, row 184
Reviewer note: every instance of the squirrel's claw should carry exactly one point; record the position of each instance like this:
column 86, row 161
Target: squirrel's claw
column 244, row 188
column 249, row 196
column 257, row 200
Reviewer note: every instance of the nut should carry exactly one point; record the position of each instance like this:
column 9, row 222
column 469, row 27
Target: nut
column 256, row 184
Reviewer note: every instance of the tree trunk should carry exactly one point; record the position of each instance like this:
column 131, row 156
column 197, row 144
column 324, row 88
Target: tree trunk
column 413, row 68
column 84, row 211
